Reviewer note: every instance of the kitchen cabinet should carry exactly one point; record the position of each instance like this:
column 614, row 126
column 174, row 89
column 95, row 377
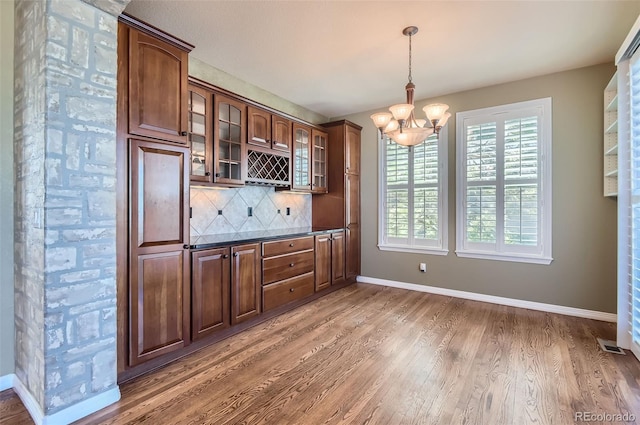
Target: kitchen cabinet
column 301, row 157
column 337, row 258
column 330, row 258
column 157, row 87
column 199, row 133
column 309, row 159
column 340, row 206
column 229, row 141
column 319, row 155
column 159, row 271
column 323, row 262
column 288, row 271
column 210, row 292
column 152, row 214
column 245, row 282
column 270, row 131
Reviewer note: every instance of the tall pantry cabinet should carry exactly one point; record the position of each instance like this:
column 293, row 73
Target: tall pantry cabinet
column 340, row 207
column 153, row 194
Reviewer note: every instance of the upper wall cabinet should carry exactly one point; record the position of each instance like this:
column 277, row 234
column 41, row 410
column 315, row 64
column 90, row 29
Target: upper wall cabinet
column 268, row 130
column 199, row 133
column 301, row 157
column 228, row 140
column 157, row 88
column 319, row 161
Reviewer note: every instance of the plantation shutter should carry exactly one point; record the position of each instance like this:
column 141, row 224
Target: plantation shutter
column 504, row 182
column 635, row 201
column 413, row 194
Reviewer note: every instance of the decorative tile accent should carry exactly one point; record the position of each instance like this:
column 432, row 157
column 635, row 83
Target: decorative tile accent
column 265, row 202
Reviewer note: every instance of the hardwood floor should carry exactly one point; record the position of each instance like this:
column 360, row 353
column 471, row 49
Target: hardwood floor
column 377, row 355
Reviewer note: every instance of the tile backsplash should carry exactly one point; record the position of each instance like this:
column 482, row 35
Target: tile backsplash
column 265, row 202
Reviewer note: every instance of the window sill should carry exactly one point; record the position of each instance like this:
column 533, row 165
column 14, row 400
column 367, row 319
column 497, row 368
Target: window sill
column 517, row 258
column 414, row 250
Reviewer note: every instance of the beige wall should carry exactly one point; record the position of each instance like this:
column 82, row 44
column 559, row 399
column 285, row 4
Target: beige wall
column 583, row 273
column 6, row 189
column 221, row 79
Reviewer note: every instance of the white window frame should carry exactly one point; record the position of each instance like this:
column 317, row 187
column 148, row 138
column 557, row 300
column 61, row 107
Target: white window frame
column 434, row 247
column 541, row 253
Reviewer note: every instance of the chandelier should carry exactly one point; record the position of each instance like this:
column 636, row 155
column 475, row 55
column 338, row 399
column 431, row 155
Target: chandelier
column 400, row 125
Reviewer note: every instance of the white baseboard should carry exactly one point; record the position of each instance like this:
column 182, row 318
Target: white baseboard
column 6, row 381
column 30, row 403
column 512, row 302
column 69, row 414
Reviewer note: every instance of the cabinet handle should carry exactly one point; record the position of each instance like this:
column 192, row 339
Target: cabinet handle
column 291, row 245
column 185, row 246
column 225, row 256
column 291, row 265
column 290, row 289
column 183, row 133
column 235, row 254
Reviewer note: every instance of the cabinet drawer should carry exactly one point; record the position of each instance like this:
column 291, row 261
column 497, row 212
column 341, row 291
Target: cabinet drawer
column 286, row 266
column 284, row 292
column 286, row 246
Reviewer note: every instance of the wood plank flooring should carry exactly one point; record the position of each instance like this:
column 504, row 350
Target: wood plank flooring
column 375, row 355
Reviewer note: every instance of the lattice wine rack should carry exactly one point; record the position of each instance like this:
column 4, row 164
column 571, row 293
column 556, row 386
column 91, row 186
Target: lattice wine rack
column 267, row 168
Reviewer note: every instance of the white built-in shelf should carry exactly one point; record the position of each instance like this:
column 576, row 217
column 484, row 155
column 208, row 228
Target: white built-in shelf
column 610, row 138
column 613, row 105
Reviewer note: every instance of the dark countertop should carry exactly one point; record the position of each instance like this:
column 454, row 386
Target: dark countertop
column 225, row 239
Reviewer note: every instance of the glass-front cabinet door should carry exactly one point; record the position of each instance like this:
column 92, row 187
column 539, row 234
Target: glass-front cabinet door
column 229, row 140
column 199, row 133
column 319, row 169
column 301, row 157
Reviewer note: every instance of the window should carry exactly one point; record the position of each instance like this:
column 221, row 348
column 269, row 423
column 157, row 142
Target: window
column 504, row 182
column 413, row 194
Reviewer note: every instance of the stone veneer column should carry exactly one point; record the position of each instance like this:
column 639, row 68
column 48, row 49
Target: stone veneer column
column 65, row 259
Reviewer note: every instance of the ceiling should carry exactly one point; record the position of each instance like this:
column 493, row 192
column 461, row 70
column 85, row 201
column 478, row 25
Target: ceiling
column 341, row 57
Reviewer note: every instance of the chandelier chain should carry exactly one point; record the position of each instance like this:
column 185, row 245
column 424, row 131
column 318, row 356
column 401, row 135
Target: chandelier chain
column 410, row 58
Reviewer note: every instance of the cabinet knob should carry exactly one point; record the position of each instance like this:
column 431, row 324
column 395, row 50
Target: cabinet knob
column 290, row 289
column 235, row 254
column 207, row 174
column 291, row 245
column 225, row 256
column 185, row 246
column 291, row 265
column 217, row 174
column 183, row 133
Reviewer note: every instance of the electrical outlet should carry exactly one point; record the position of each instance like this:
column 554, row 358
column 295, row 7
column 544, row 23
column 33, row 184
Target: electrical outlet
column 423, row 267
column 288, row 211
column 250, row 211
column 278, row 210
column 219, row 212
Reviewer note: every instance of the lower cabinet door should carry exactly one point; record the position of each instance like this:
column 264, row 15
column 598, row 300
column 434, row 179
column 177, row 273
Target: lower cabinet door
column 210, row 298
column 286, row 291
column 323, row 262
column 245, row 282
column 352, row 268
column 337, row 258
column 157, row 305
